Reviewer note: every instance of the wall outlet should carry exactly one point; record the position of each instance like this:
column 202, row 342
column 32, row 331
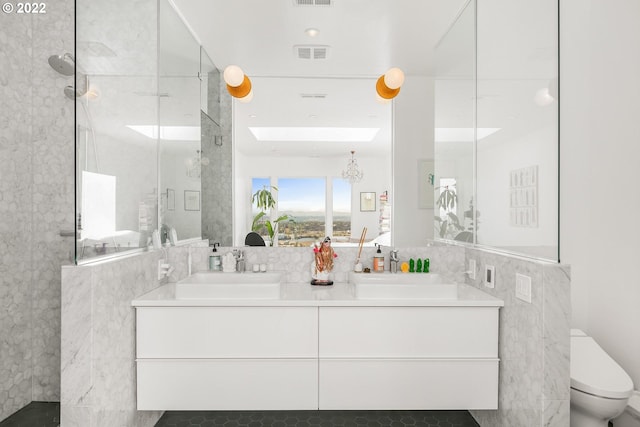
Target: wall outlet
column 489, row 276
column 523, row 287
column 472, row 269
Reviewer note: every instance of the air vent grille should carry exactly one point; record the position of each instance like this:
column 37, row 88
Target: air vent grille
column 311, row 52
column 313, row 2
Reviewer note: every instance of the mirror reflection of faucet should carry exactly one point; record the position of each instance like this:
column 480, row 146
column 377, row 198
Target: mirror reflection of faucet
column 394, row 260
column 240, row 261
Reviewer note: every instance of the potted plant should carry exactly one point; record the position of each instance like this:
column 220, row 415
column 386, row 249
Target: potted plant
column 264, row 201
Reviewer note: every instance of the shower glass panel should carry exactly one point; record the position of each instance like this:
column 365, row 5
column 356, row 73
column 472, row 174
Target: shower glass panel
column 116, row 126
column 182, row 160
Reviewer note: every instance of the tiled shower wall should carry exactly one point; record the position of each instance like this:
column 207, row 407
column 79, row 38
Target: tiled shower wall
column 36, row 201
column 534, row 342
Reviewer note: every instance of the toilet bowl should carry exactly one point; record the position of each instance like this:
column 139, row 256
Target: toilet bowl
column 600, row 388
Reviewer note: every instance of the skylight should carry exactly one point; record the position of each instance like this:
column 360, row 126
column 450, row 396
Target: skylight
column 314, row 134
column 462, row 134
column 170, row 133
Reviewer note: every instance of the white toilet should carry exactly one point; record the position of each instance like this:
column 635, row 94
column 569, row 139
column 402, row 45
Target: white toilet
column 600, row 388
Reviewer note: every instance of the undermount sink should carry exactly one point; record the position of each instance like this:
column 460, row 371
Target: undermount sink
column 216, row 285
column 402, row 286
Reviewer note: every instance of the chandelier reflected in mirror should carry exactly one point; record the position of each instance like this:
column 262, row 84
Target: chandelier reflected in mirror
column 352, row 173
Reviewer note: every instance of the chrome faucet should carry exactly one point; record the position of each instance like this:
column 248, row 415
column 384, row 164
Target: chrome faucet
column 394, row 260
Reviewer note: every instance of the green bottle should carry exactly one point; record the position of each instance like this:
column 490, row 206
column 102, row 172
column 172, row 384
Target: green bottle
column 412, row 266
column 419, row 265
column 426, row 266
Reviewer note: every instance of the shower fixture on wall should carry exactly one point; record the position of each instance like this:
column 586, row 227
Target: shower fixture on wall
column 64, row 64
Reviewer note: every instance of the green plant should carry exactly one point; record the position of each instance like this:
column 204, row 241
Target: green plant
column 265, row 201
column 448, row 226
column 448, row 198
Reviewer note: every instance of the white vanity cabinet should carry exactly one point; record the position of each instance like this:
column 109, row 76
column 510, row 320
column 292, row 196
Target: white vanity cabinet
column 316, row 350
column 408, row 357
column 227, row 358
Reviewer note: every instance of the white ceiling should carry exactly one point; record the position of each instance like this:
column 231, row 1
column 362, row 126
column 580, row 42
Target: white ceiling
column 364, row 39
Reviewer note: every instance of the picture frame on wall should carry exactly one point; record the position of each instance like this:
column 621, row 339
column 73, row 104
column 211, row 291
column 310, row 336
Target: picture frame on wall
column 367, row 201
column 191, row 200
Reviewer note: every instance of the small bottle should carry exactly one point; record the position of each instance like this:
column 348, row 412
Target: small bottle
column 215, row 260
column 419, row 265
column 378, row 261
column 412, row 265
column 425, row 266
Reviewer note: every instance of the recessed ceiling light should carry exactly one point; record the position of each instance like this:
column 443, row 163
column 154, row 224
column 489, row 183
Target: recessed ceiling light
column 312, row 32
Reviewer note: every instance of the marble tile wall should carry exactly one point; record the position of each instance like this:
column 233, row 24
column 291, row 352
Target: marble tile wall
column 297, row 262
column 217, row 177
column 98, row 341
column 534, row 342
column 36, row 202
column 52, row 191
column 16, row 354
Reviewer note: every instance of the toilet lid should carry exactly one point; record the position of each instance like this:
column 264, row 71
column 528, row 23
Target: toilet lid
column 593, row 371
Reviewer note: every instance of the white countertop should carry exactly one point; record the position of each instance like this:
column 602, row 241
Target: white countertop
column 304, row 294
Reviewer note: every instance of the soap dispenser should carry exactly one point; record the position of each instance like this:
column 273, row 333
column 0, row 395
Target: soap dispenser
column 378, row 260
column 215, row 260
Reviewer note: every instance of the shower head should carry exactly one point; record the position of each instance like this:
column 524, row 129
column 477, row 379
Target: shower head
column 64, row 64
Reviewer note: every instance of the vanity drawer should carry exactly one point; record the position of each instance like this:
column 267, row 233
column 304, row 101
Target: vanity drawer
column 408, row 384
column 221, row 384
column 408, row 332
column 226, row 332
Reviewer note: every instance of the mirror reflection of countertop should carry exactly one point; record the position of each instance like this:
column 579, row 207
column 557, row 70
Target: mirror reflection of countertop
column 304, row 294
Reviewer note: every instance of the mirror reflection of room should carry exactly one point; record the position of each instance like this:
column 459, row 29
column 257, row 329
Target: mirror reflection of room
column 431, row 155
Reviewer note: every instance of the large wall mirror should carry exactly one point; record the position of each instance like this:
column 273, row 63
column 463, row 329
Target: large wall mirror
column 497, row 128
column 313, row 76
column 161, row 144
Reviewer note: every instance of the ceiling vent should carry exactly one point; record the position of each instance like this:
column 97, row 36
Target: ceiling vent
column 313, row 2
column 311, row 52
column 313, row 95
